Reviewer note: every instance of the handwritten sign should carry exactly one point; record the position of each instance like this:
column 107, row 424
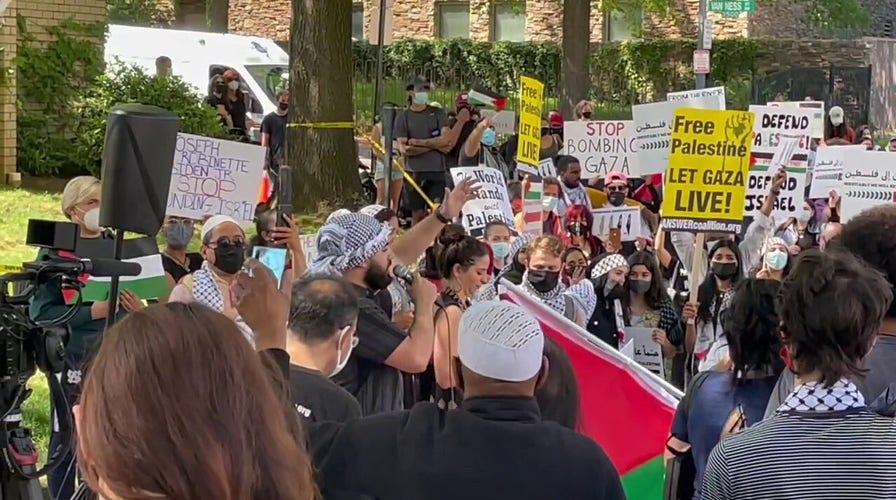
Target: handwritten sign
column 602, row 146
column 653, row 130
column 492, row 202
column 309, row 245
column 214, row 177
column 828, row 173
column 531, row 103
column 646, row 352
column 816, row 128
column 772, row 126
column 869, row 180
column 717, row 93
column 626, row 219
column 708, row 164
column 545, row 168
column 504, row 121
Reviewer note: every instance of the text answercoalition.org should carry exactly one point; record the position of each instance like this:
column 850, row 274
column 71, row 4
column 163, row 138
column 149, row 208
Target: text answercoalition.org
column 709, row 226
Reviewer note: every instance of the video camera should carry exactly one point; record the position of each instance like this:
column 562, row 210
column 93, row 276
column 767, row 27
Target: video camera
column 27, row 345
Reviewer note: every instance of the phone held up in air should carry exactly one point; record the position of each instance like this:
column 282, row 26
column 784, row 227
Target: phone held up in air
column 616, row 237
column 284, row 195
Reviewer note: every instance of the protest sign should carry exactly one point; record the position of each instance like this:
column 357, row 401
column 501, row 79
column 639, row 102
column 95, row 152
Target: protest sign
column 214, row 177
column 828, row 173
column 626, row 219
column 653, row 130
column 602, row 146
column 309, row 246
column 545, row 168
column 718, row 93
column 816, row 127
column 869, row 180
column 773, row 132
column 646, row 352
column 492, row 202
column 708, row 164
column 531, row 102
column 504, row 121
column 533, row 192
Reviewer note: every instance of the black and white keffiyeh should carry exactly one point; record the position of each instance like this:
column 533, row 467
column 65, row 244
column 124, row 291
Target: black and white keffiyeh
column 582, row 295
column 815, row 396
column 607, row 264
column 347, row 241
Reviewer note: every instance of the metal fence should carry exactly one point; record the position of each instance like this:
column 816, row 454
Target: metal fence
column 846, row 86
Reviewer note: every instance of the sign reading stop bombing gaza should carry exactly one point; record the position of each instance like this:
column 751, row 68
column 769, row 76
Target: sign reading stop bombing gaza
column 708, row 164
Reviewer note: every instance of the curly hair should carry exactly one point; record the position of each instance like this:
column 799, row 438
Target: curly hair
column 457, row 249
column 751, row 327
column 831, row 307
column 869, row 236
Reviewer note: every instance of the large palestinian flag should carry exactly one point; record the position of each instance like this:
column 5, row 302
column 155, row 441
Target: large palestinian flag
column 149, row 284
column 625, row 409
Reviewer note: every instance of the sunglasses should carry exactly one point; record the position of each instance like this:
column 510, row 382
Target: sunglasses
column 614, row 189
column 226, row 242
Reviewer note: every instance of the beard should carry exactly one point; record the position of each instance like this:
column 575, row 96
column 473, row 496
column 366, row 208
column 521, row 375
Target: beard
column 377, row 277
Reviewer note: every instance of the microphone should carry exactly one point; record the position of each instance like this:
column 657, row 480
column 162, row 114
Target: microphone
column 402, row 272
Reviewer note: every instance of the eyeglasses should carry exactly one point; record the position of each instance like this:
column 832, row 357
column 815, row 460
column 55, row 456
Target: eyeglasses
column 226, row 242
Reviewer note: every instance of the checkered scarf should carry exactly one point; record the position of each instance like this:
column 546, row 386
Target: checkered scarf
column 347, row 241
column 814, row 396
column 206, row 290
column 582, row 295
column 601, row 269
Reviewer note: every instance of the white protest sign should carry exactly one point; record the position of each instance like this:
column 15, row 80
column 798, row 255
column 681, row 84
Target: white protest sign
column 784, row 132
column 653, row 130
column 545, row 168
column 309, row 246
column 602, row 146
column 214, row 177
column 627, row 219
column 869, row 180
column 504, row 121
column 492, row 202
column 718, row 93
column 828, row 173
column 628, row 349
column 817, row 107
column 647, row 353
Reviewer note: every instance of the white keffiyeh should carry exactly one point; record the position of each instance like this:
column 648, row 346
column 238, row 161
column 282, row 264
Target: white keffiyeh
column 815, row 396
column 561, row 297
column 206, row 290
column 602, row 268
column 347, row 241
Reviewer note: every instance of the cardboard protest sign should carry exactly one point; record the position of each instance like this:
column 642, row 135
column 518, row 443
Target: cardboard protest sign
column 816, row 127
column 214, row 177
column 545, row 168
column 653, row 130
column 602, row 146
column 626, row 219
column 772, row 126
column 531, row 102
column 869, row 180
column 504, row 121
column 708, row 164
column 644, row 350
column 718, row 93
column 492, row 202
column 828, row 173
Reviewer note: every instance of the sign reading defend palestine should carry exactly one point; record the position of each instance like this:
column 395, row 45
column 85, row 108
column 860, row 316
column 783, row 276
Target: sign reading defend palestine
column 708, row 164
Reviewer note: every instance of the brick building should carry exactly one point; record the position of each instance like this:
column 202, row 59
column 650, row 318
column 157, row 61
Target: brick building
column 38, row 15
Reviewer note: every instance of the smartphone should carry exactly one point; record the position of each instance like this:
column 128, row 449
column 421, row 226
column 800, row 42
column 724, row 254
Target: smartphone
column 273, row 258
column 284, row 195
column 616, row 237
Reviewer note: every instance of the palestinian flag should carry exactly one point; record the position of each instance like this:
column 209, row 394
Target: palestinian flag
column 625, row 409
column 483, row 97
column 149, row 284
column 532, row 208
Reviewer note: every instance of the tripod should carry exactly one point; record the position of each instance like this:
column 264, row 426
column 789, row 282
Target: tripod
column 18, row 480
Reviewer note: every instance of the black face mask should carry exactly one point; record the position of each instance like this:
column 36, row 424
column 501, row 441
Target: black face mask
column 229, row 259
column 283, row 106
column 544, row 281
column 616, row 198
column 639, row 286
column 724, row 270
column 220, row 87
column 613, row 291
column 586, row 115
column 577, row 228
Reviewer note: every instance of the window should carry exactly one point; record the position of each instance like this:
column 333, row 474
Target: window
column 358, row 21
column 620, row 27
column 453, row 20
column 509, row 22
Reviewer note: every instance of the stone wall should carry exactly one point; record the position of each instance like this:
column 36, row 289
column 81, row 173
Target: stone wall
column 683, row 22
column 803, row 53
column 268, row 19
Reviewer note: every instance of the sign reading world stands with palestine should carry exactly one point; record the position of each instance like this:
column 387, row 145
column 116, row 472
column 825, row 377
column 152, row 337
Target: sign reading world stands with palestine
column 708, row 164
column 531, row 102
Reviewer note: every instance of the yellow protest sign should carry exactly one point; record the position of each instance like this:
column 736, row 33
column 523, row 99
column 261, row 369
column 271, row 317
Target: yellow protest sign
column 531, row 102
column 709, row 160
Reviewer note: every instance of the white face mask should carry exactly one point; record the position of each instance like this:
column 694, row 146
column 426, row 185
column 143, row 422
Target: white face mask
column 341, row 363
column 91, row 220
column 234, row 85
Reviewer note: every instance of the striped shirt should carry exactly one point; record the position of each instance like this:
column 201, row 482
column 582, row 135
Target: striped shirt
column 846, row 454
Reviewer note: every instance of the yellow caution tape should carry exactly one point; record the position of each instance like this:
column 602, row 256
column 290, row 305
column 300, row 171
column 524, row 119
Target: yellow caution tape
column 338, row 125
column 396, row 164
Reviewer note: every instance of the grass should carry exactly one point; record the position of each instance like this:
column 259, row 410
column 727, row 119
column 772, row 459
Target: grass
column 16, row 207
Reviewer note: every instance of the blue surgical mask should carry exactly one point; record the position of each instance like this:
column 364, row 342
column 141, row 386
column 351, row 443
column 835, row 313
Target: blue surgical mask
column 549, row 203
column 179, row 235
column 421, row 97
column 501, row 249
column 488, row 137
column 776, row 259
column 804, row 215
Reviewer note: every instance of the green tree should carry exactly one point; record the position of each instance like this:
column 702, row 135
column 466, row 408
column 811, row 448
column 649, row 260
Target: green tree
column 324, row 158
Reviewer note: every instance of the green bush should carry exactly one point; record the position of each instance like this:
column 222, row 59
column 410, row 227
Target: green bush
column 129, row 84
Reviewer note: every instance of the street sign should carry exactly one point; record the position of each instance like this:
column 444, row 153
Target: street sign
column 701, row 62
column 731, row 8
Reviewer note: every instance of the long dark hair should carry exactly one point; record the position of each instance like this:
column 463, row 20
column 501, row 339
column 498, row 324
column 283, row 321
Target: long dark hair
column 430, row 267
column 656, row 295
column 558, row 398
column 457, row 249
column 708, row 293
column 752, row 328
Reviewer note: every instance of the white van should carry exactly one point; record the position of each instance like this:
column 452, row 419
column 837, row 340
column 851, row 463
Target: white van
column 196, row 56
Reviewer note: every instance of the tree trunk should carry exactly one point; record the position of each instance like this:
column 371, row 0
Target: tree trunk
column 216, row 13
column 575, row 82
column 324, row 160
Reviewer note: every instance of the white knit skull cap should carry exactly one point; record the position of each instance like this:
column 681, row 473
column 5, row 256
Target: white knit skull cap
column 501, row 341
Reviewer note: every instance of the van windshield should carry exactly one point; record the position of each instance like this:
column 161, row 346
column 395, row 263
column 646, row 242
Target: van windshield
column 270, row 77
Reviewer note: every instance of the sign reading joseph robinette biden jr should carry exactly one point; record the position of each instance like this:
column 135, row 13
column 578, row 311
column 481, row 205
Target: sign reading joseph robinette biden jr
column 708, row 164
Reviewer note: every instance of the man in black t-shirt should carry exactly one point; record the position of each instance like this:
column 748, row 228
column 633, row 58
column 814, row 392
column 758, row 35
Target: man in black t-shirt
column 323, row 315
column 273, row 136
